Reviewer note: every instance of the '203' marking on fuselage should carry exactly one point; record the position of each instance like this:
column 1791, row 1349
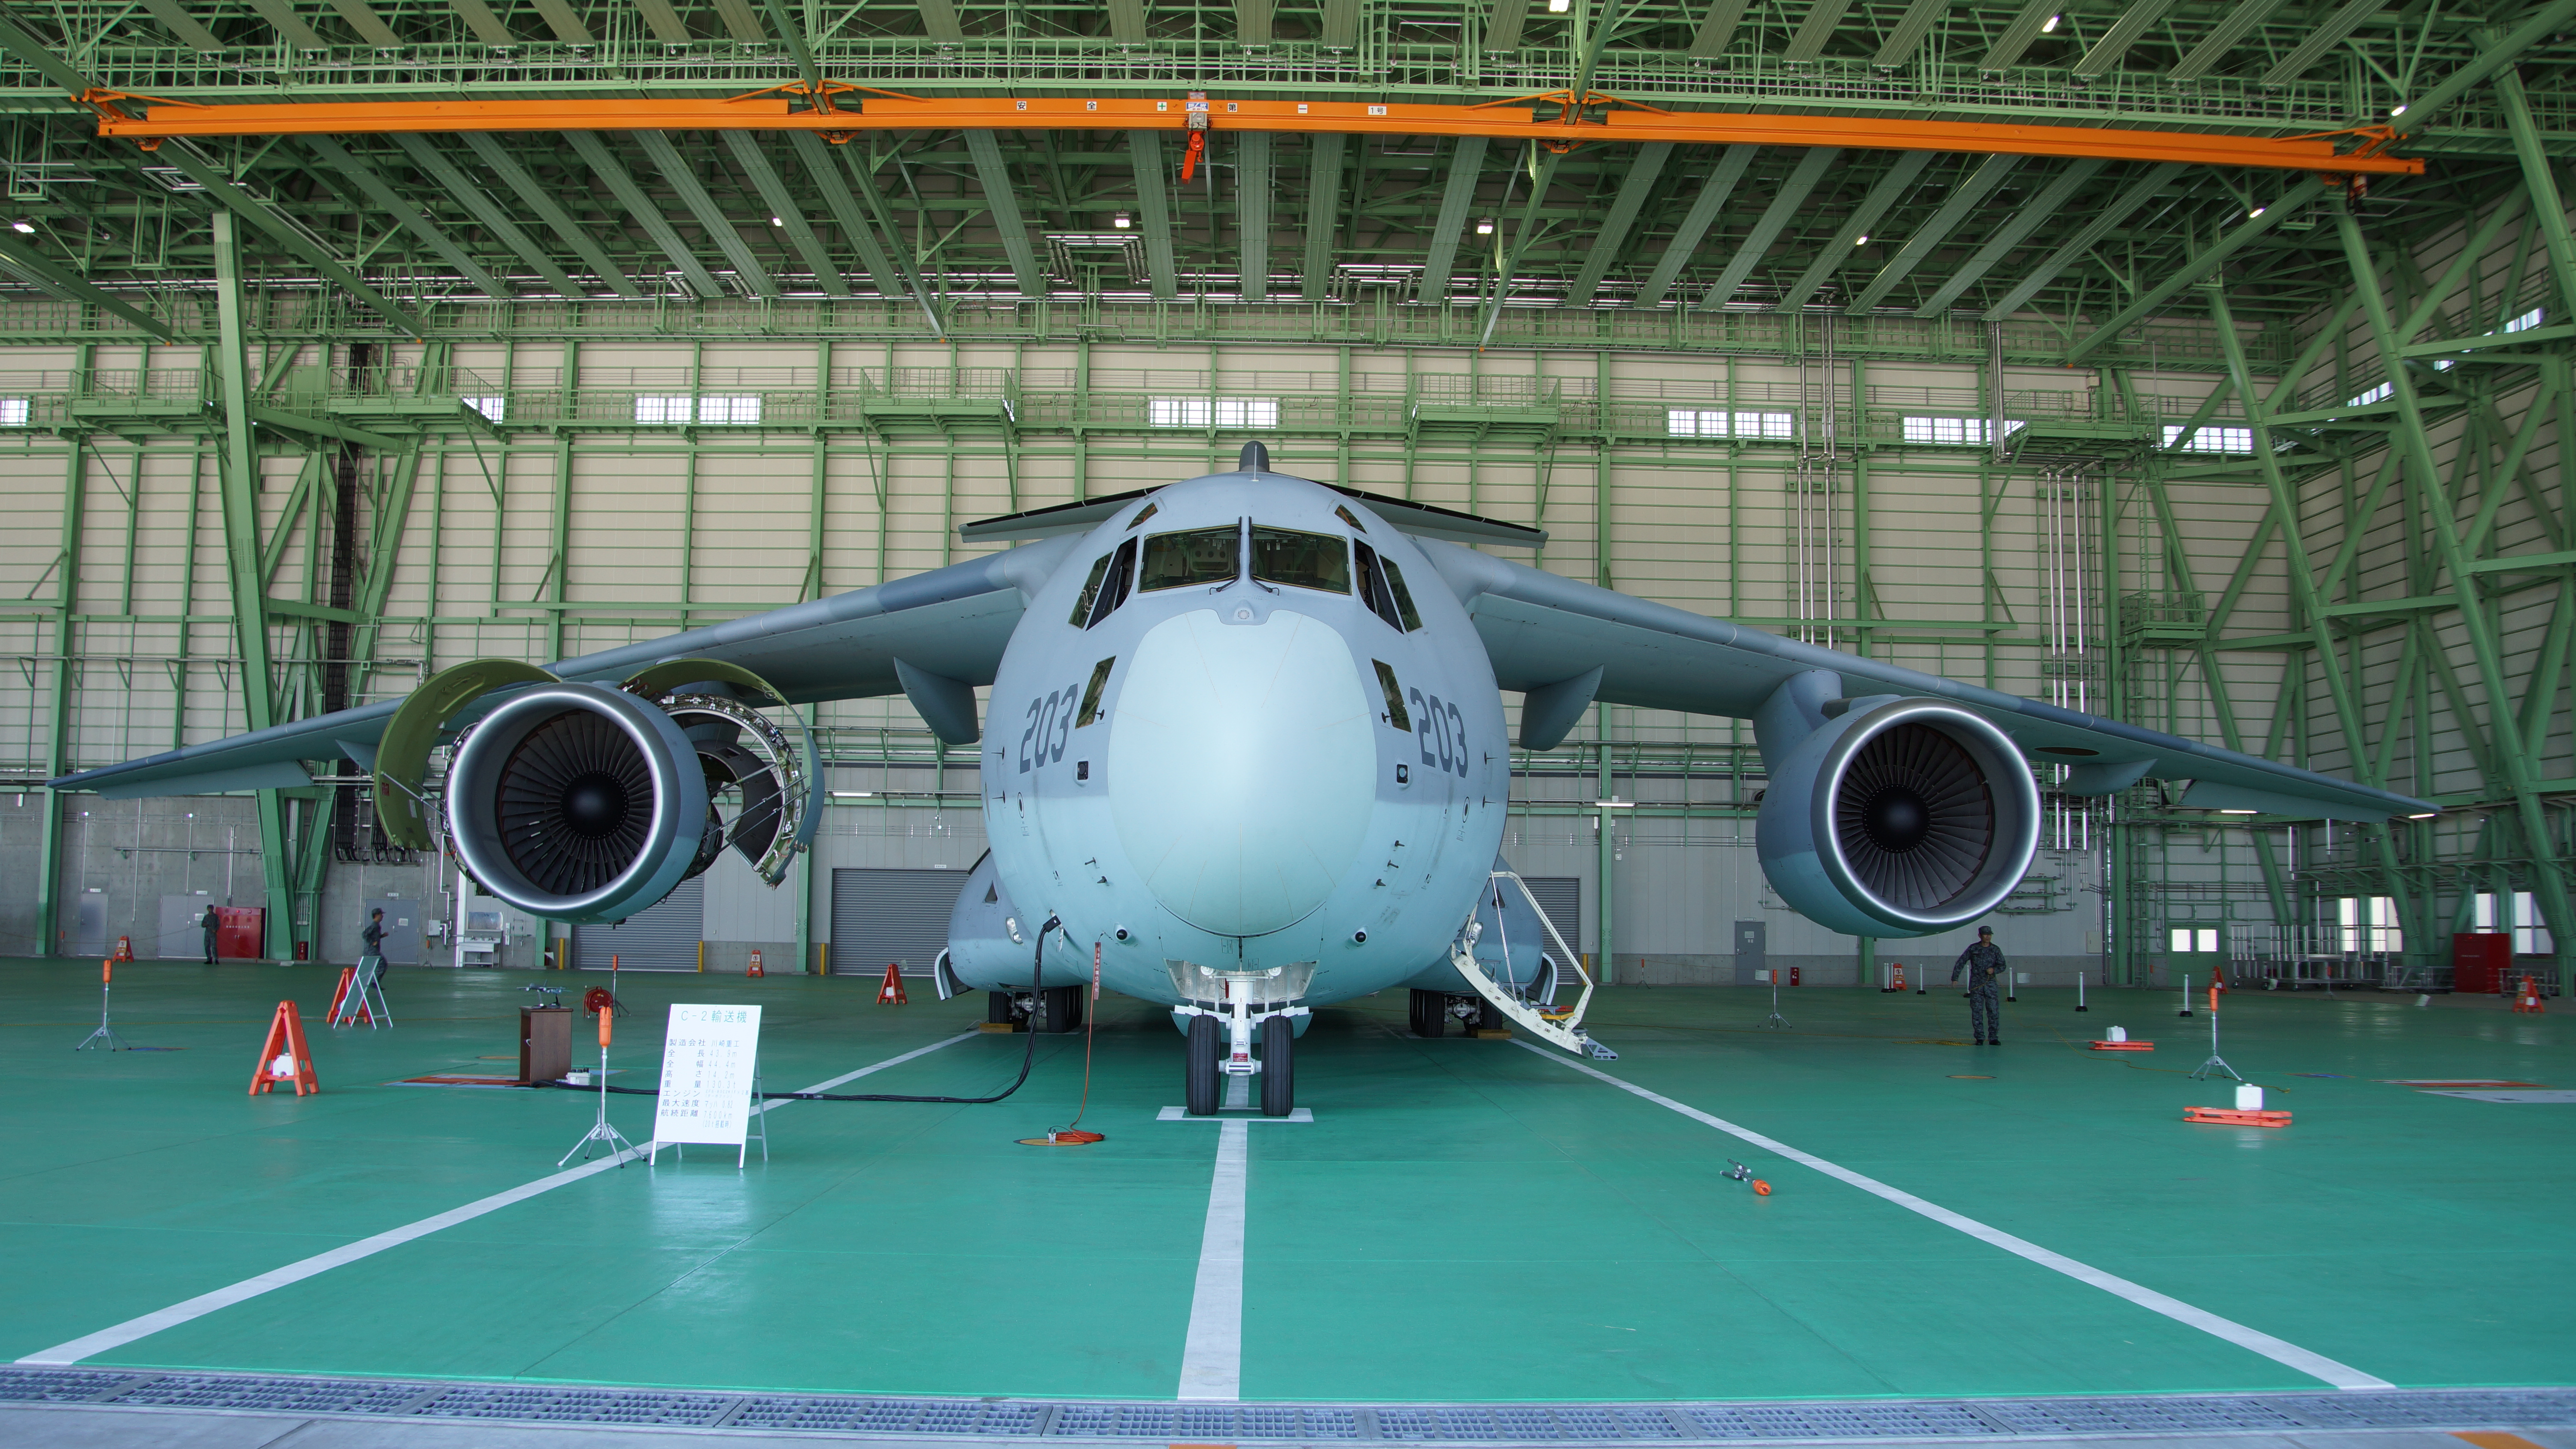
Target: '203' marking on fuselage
column 1050, row 726
column 1443, row 728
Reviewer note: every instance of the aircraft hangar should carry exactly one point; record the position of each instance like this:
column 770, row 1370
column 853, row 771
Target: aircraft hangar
column 1299, row 714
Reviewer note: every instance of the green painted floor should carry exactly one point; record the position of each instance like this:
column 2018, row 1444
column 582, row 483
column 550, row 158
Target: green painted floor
column 1463, row 1219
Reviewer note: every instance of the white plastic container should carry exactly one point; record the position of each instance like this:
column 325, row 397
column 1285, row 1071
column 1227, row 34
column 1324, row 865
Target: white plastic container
column 2118, row 1033
column 2249, row 1099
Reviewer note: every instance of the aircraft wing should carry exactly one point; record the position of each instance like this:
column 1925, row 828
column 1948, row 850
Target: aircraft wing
column 952, row 622
column 1541, row 630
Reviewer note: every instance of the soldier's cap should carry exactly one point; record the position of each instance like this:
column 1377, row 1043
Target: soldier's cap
column 1985, row 930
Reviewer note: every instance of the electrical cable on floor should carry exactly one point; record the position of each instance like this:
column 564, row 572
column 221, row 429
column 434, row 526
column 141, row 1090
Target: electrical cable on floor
column 1027, row 1059
column 1065, row 1136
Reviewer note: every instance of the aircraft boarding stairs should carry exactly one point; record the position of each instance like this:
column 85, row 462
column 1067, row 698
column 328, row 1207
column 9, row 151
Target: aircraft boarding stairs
column 1527, row 1004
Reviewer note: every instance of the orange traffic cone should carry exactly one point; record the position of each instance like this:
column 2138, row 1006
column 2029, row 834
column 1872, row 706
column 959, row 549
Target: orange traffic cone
column 891, row 993
column 754, row 968
column 2528, row 998
column 283, row 1058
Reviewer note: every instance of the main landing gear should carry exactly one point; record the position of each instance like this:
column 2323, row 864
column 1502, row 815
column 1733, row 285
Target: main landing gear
column 1432, row 1010
column 1059, row 1007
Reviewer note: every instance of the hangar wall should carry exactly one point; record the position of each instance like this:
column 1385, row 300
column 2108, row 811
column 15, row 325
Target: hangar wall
column 630, row 487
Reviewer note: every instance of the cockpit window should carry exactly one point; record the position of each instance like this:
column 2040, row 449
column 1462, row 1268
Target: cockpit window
column 1305, row 560
column 1346, row 516
column 1148, row 511
column 1198, row 556
column 1382, row 589
column 1114, row 586
column 1090, row 592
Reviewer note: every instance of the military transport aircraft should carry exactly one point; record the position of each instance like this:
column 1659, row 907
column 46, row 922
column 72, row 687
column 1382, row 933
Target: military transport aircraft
column 1247, row 739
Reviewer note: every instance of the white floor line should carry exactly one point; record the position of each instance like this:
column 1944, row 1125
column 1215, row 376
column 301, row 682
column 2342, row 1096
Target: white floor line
column 2315, row 1365
column 249, row 1288
column 1212, row 1357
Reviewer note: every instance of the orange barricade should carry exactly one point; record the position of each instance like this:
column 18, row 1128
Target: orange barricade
column 891, row 992
column 283, row 1058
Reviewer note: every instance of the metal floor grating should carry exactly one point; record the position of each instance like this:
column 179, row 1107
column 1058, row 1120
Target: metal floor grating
column 2162, row 1415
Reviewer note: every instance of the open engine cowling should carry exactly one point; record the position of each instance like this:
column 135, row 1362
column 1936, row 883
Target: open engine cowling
column 1897, row 819
column 578, row 802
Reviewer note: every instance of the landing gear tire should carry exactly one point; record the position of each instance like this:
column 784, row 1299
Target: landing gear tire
column 997, row 1008
column 1064, row 1008
column 1278, row 1044
column 1199, row 1079
column 1430, row 1013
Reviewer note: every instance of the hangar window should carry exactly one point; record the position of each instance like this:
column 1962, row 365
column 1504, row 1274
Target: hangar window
column 2212, row 440
column 1958, row 430
column 2365, row 399
column 665, row 409
column 1198, row 556
column 2370, row 923
column 1305, row 560
column 2190, row 939
column 2530, row 935
column 13, row 412
column 1382, row 589
column 1721, row 423
column 1221, row 412
column 739, row 408
column 495, row 408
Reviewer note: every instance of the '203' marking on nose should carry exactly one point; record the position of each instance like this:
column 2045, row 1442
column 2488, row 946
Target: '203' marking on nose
column 1441, row 727
column 1050, row 725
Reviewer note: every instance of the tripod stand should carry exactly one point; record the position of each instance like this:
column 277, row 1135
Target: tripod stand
column 105, row 1038
column 2216, row 1063
column 601, row 1131
column 1775, row 1021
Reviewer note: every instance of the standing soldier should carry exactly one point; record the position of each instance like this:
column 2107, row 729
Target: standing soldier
column 209, row 922
column 1985, row 967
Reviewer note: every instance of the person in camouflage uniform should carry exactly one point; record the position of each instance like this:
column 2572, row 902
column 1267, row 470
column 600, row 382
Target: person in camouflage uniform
column 1985, row 967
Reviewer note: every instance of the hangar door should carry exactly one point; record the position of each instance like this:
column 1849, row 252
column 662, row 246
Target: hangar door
column 662, row 937
column 890, row 915
column 1561, row 898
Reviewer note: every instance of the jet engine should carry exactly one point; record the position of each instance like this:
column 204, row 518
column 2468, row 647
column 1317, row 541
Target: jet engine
column 585, row 802
column 578, row 802
column 1900, row 817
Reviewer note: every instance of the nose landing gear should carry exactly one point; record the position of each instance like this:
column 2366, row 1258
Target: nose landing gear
column 1246, row 1028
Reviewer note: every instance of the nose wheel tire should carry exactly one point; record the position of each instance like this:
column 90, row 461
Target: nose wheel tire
column 1199, row 1079
column 1064, row 1008
column 1430, row 1013
column 1278, row 1044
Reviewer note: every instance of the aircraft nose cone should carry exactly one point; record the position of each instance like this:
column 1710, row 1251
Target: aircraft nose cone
column 1242, row 768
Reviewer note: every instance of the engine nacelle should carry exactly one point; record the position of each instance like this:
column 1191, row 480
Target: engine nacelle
column 579, row 802
column 1896, row 819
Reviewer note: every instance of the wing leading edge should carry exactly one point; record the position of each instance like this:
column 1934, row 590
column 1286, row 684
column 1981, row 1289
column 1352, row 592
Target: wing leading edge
column 950, row 624
column 1548, row 635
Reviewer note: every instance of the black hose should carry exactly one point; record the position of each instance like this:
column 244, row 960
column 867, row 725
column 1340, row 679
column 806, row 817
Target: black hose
column 1037, row 973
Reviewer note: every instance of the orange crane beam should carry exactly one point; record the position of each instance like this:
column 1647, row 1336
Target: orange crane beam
column 1603, row 120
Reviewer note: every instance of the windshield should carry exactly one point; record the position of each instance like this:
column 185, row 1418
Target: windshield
column 1306, row 560
column 1199, row 556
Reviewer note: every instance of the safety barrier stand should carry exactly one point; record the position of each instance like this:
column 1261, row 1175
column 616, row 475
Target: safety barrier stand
column 361, row 995
column 754, row 968
column 2527, row 1000
column 890, row 992
column 124, row 949
column 284, row 1058
column 105, row 1038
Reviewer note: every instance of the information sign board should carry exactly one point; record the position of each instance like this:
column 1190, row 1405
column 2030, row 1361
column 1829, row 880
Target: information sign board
column 710, row 1055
